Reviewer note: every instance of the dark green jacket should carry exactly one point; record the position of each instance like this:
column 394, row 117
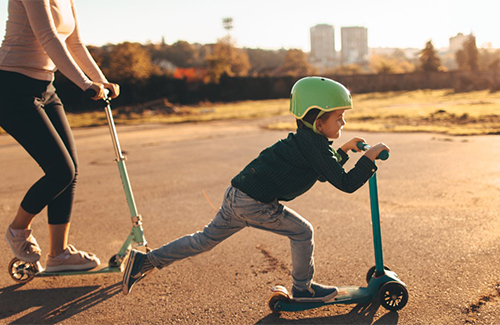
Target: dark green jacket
column 291, row 166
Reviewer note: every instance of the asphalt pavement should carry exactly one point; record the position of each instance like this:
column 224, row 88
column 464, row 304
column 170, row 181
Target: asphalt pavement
column 439, row 202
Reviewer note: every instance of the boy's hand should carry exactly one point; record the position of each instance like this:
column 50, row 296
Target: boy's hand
column 352, row 145
column 375, row 151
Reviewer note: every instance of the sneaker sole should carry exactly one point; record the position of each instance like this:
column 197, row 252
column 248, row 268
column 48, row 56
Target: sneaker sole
column 82, row 267
column 22, row 258
column 322, row 299
column 127, row 272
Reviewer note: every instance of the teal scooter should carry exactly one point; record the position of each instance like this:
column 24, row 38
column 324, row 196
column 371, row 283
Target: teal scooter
column 23, row 272
column 384, row 285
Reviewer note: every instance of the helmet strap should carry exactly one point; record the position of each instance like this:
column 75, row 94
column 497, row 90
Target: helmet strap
column 314, row 124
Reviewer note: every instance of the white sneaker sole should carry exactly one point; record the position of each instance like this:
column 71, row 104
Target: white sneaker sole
column 81, row 267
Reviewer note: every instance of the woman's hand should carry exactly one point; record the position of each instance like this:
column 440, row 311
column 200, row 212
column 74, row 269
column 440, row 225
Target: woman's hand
column 98, row 90
column 114, row 89
column 352, row 144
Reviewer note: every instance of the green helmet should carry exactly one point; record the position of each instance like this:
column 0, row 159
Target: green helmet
column 321, row 93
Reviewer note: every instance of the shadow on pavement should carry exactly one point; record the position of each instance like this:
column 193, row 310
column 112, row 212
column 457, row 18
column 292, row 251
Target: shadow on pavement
column 360, row 314
column 50, row 306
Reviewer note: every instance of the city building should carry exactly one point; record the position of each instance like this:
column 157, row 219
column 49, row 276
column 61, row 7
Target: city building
column 457, row 42
column 354, row 42
column 323, row 53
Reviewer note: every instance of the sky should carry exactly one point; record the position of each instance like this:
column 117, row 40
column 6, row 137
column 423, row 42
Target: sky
column 275, row 24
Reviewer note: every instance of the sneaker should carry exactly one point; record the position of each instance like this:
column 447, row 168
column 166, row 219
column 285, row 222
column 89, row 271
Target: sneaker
column 24, row 245
column 72, row 260
column 316, row 293
column 135, row 270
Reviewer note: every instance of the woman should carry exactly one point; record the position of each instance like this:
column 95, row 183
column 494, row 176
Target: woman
column 42, row 36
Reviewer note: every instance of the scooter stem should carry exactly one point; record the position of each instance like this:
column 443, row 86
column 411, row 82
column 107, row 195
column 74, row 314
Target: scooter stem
column 377, row 236
column 137, row 231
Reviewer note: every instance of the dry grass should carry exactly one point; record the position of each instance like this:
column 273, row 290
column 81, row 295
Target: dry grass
column 440, row 111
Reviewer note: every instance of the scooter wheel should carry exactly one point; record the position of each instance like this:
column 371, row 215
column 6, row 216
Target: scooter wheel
column 274, row 299
column 371, row 272
column 22, row 272
column 115, row 261
column 393, row 296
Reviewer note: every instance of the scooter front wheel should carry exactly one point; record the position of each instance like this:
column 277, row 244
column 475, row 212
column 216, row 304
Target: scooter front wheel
column 393, row 296
column 371, row 272
column 22, row 272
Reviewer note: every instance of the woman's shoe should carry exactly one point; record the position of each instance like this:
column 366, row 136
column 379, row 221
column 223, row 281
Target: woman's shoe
column 24, row 245
column 72, row 260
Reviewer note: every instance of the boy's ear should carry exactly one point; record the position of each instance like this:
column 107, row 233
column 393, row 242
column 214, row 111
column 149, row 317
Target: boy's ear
column 318, row 124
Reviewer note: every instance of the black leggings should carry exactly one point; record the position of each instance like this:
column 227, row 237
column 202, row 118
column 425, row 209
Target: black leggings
column 32, row 113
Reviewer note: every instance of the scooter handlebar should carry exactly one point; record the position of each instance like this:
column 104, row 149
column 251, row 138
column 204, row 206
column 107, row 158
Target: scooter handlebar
column 90, row 93
column 384, row 155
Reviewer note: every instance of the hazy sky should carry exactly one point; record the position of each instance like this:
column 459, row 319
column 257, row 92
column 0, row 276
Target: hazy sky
column 273, row 24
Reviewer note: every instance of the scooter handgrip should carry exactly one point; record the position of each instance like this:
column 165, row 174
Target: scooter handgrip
column 384, row 155
column 90, row 93
column 363, row 146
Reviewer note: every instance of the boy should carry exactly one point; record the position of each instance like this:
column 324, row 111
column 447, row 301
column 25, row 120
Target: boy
column 280, row 173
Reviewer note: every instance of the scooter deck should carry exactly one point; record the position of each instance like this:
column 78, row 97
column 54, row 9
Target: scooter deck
column 108, row 269
column 103, row 270
column 346, row 295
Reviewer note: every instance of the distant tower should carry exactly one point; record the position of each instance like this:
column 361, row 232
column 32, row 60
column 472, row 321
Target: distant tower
column 354, row 44
column 323, row 44
column 227, row 23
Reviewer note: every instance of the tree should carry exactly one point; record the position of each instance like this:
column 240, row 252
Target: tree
column 262, row 61
column 129, row 61
column 429, row 60
column 468, row 57
column 295, row 64
column 182, row 54
column 349, row 69
column 226, row 59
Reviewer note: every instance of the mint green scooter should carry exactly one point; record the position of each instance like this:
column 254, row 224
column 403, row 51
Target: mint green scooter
column 383, row 284
column 23, row 272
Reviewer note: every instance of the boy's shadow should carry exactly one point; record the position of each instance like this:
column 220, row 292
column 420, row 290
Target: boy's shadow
column 50, row 306
column 360, row 314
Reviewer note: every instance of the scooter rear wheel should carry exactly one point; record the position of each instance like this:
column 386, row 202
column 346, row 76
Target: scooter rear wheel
column 274, row 299
column 393, row 296
column 20, row 271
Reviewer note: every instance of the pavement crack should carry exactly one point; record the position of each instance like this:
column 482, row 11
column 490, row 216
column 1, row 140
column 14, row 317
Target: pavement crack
column 473, row 311
column 274, row 264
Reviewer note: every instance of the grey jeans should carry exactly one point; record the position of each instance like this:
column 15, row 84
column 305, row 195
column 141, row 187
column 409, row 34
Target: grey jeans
column 238, row 211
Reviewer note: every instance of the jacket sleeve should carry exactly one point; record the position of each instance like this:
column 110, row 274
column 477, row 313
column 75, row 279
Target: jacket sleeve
column 81, row 54
column 42, row 24
column 326, row 165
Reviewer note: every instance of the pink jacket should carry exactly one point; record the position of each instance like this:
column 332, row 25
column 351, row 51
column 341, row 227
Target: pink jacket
column 42, row 36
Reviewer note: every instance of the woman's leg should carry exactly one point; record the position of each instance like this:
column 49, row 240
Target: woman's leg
column 58, row 238
column 22, row 220
column 59, row 209
column 22, row 115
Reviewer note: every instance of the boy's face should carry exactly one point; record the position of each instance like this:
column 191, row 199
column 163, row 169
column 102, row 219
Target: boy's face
column 331, row 126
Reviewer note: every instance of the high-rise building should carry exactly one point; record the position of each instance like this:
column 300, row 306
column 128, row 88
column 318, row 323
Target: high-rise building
column 322, row 44
column 457, row 42
column 354, row 44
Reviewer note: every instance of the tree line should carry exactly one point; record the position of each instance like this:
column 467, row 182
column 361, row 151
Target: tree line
column 189, row 73
column 207, row 63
